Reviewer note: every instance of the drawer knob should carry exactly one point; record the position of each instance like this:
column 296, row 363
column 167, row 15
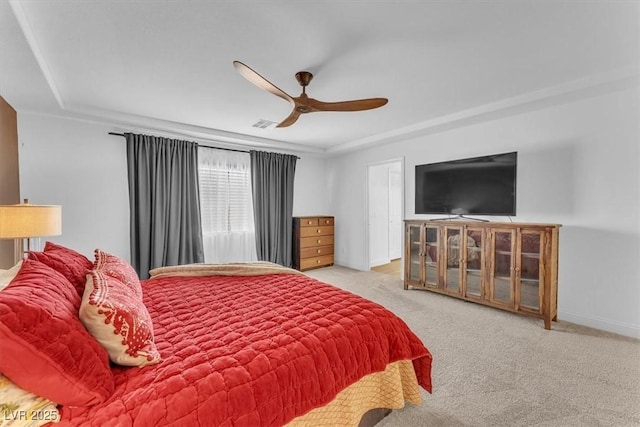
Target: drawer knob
column 310, row 222
column 317, row 261
column 318, row 231
column 318, row 251
column 319, row 241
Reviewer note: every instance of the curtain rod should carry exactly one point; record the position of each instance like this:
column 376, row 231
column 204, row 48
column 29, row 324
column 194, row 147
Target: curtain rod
column 203, row 146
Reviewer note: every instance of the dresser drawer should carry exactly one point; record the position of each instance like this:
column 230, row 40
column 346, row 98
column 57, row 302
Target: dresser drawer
column 320, row 261
column 320, row 230
column 308, row 222
column 325, row 221
column 316, row 252
column 313, row 221
column 309, row 242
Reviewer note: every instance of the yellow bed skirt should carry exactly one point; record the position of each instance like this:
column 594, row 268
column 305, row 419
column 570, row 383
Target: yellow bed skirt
column 390, row 389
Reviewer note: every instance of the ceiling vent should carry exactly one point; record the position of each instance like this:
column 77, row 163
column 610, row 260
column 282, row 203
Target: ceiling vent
column 264, row 124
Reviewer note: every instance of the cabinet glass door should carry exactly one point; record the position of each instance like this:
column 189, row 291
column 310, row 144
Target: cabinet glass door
column 473, row 263
column 454, row 258
column 414, row 254
column 529, row 270
column 502, row 277
column 432, row 255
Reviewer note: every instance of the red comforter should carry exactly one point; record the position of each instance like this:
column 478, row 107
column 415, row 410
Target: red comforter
column 252, row 351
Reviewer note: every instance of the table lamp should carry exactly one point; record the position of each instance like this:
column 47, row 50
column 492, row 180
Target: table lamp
column 27, row 221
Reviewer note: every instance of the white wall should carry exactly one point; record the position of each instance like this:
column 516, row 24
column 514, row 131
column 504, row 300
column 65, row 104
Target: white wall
column 310, row 189
column 78, row 165
column 578, row 165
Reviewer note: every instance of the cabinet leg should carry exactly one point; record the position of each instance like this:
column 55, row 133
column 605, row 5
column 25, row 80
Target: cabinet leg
column 547, row 323
column 406, row 286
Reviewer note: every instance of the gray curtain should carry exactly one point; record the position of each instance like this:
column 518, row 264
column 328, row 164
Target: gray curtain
column 272, row 187
column 164, row 202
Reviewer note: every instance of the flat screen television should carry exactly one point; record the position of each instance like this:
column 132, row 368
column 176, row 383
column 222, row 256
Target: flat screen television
column 475, row 186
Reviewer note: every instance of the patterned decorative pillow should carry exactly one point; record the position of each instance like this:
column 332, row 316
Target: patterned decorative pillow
column 24, row 408
column 113, row 312
column 43, row 346
column 119, row 269
column 73, row 265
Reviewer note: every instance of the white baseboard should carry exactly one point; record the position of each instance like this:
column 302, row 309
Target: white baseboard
column 626, row 329
column 377, row 262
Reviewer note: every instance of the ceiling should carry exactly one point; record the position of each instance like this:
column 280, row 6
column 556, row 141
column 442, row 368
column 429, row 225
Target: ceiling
column 166, row 66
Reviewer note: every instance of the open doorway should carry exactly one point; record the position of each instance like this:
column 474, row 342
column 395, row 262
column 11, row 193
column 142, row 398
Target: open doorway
column 385, row 190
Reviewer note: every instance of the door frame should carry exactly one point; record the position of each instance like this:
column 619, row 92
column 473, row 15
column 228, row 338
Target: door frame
column 368, row 214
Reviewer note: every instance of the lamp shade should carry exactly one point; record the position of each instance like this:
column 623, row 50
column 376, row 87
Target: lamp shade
column 27, row 220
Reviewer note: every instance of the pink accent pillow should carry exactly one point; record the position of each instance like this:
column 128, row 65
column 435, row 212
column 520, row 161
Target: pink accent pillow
column 113, row 312
column 73, row 265
column 45, row 348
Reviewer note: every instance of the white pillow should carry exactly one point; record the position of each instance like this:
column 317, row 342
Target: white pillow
column 6, row 276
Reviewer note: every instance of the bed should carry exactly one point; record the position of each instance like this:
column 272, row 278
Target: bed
column 233, row 345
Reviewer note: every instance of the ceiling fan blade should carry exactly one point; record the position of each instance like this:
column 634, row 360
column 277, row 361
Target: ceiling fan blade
column 261, row 82
column 355, row 105
column 293, row 117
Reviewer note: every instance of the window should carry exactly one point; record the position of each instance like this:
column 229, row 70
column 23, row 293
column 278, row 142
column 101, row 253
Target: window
column 226, row 206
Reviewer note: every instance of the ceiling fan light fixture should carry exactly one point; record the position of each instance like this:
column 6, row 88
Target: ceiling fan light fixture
column 304, row 104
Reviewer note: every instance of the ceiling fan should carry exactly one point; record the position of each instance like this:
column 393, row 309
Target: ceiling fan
column 303, row 104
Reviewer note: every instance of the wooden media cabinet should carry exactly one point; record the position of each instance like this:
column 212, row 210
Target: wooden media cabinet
column 511, row 266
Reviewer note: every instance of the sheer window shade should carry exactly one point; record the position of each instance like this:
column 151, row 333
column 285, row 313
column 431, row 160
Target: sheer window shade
column 226, row 206
column 224, row 201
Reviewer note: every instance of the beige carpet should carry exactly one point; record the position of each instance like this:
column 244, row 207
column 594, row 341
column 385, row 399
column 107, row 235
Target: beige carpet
column 493, row 368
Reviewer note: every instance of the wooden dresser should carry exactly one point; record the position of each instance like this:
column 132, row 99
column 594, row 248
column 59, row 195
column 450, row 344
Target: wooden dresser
column 312, row 242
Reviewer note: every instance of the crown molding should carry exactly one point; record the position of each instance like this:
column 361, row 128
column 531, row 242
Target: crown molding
column 620, row 79
column 24, row 24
